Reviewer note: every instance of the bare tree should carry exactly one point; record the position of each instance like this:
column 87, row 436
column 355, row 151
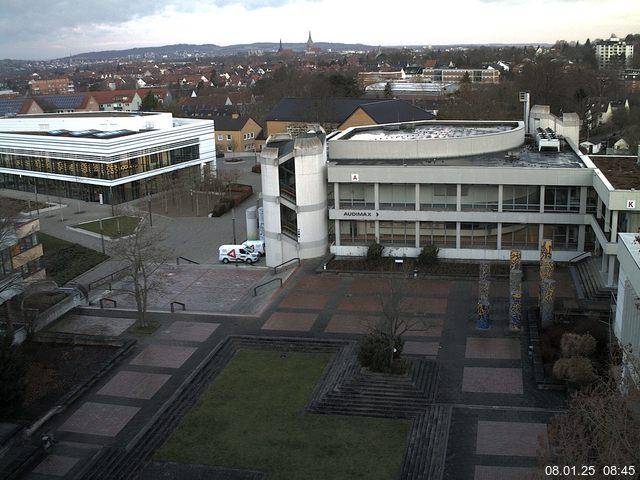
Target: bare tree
column 601, row 428
column 142, row 253
column 11, row 282
column 388, row 330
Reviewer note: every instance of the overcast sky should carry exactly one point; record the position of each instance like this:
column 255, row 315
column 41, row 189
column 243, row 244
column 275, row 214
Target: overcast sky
column 45, row 29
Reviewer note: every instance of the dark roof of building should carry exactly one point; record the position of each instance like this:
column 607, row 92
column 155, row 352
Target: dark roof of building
column 229, row 123
column 60, row 102
column 391, row 111
column 622, row 172
column 315, row 109
column 11, row 106
column 337, row 109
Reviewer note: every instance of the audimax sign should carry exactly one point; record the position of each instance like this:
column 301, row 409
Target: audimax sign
column 359, row 214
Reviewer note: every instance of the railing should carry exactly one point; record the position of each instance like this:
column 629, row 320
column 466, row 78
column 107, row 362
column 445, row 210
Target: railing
column 112, row 277
column 255, row 290
column 577, row 258
column 187, row 260
column 275, row 269
column 177, row 303
column 114, row 304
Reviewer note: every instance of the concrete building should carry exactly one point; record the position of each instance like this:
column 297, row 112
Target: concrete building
column 614, row 53
column 99, row 156
column 627, row 312
column 294, row 196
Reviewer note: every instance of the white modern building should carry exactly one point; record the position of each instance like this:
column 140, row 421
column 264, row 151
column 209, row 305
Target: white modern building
column 475, row 189
column 108, row 156
column 614, row 52
column 627, row 312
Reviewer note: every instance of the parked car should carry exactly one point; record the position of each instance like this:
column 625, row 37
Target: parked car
column 254, row 246
column 237, row 253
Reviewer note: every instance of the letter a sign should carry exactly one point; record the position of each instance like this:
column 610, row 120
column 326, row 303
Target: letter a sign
column 355, row 177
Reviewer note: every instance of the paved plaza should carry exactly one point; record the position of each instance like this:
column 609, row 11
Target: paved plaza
column 484, row 375
column 499, row 417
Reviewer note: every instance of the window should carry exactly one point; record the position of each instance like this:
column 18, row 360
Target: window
column 229, row 148
column 520, row 235
column 440, row 234
column 480, row 197
column 353, row 232
column 561, row 199
column 398, row 233
column 438, row 197
column 479, row 235
column 220, row 137
column 357, row 195
column 398, row 196
column 517, row 198
column 564, row 237
column 229, row 137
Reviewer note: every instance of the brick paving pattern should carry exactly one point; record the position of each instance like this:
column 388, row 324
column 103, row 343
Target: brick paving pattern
column 94, row 418
column 134, row 385
column 492, row 380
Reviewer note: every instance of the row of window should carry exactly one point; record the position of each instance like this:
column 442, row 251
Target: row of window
column 245, row 136
column 473, row 197
column 25, row 244
column 107, row 171
column 444, row 234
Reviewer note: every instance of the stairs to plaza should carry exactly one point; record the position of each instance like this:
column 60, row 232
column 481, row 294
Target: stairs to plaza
column 351, row 390
column 427, row 446
column 588, row 275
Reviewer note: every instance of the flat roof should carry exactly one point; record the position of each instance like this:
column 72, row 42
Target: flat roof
column 623, row 173
column 404, row 132
column 526, row 156
column 88, row 114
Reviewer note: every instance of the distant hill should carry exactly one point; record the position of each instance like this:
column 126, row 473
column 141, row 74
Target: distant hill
column 184, row 50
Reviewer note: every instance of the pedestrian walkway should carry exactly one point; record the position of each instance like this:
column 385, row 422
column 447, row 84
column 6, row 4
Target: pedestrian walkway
column 498, row 417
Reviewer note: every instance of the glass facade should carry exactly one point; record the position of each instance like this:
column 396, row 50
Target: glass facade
column 438, row 197
column 397, row 196
column 561, row 199
column 105, row 170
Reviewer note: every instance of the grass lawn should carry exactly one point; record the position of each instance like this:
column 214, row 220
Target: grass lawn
column 64, row 261
column 252, row 417
column 113, row 227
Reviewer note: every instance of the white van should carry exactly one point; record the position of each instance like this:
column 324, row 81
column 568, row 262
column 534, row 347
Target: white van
column 254, row 246
column 237, row 253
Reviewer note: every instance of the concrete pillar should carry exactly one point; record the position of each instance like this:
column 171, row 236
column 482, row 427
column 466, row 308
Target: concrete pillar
column 336, row 195
column 547, row 302
column 376, row 198
column 417, row 197
column 583, row 200
column 541, row 201
column 377, row 231
column 336, row 230
column 499, row 239
column 603, row 264
column 581, row 237
column 599, row 208
column 417, row 242
column 458, row 197
column 612, row 271
column 458, row 243
column 500, row 199
column 614, row 227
